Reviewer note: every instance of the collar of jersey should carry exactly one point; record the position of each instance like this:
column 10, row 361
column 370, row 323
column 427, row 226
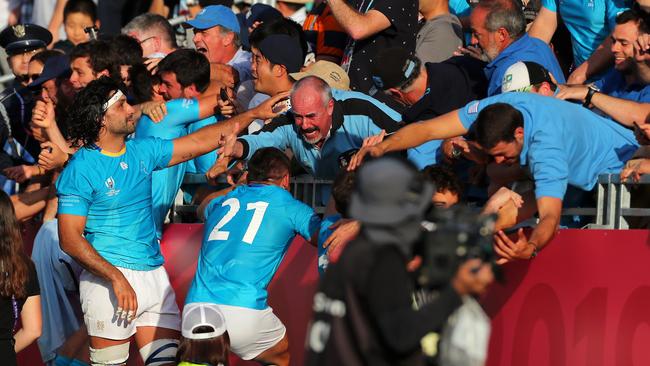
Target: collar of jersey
column 108, row 153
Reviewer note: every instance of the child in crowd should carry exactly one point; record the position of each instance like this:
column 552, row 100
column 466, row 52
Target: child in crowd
column 341, row 191
column 448, row 186
column 77, row 16
column 205, row 339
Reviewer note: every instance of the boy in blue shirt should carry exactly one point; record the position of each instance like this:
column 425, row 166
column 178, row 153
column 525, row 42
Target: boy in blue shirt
column 106, row 225
column 247, row 233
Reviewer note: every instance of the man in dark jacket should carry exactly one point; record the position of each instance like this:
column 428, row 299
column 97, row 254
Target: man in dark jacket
column 363, row 311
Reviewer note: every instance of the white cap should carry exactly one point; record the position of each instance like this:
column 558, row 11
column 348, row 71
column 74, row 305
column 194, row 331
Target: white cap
column 523, row 74
column 202, row 314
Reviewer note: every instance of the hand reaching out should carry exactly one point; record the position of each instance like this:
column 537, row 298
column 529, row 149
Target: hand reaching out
column 154, row 110
column 51, row 156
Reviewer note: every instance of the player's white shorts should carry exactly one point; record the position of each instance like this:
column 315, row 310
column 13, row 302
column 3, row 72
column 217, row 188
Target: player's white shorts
column 251, row 331
column 156, row 303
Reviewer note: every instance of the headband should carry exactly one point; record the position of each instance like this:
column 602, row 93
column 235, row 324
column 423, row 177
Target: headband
column 118, row 94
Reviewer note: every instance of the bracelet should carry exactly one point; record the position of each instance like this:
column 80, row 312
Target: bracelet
column 41, row 171
column 535, row 251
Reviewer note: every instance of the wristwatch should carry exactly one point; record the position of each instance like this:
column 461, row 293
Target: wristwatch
column 590, row 94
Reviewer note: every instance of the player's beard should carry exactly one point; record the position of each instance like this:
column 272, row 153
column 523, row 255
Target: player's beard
column 126, row 127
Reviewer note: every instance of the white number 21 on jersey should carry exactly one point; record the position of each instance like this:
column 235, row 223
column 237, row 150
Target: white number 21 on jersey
column 253, row 226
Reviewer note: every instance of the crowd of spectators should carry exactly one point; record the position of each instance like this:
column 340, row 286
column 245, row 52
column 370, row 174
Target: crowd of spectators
column 112, row 104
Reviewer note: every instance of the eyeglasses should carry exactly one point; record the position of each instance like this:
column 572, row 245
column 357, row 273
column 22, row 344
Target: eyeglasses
column 32, row 77
column 146, row 39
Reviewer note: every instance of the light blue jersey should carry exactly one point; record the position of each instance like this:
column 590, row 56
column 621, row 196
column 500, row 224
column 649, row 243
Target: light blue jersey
column 113, row 191
column 460, row 8
column 203, row 163
column 590, row 22
column 166, row 182
column 247, row 233
column 564, row 143
column 323, row 234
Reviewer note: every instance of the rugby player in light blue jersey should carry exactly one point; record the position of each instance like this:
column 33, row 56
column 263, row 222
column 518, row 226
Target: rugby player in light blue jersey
column 560, row 143
column 106, row 224
column 191, row 100
column 247, row 233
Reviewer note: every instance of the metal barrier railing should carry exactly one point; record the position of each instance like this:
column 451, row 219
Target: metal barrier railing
column 614, row 206
column 613, row 202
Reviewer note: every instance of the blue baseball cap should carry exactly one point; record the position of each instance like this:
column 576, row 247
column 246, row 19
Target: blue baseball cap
column 262, row 13
column 214, row 15
column 55, row 67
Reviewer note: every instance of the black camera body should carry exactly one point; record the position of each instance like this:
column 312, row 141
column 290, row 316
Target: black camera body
column 452, row 236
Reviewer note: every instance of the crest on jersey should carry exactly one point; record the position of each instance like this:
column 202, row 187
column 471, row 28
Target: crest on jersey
column 110, row 184
column 124, row 165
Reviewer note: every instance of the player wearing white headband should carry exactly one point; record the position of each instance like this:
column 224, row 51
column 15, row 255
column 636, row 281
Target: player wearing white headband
column 106, row 224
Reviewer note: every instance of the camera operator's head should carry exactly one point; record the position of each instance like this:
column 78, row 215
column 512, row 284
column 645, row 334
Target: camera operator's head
column 390, row 200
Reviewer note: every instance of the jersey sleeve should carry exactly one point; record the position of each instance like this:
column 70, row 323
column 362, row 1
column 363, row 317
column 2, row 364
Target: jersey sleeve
column 550, row 5
column 204, row 162
column 74, row 191
column 278, row 138
column 159, row 152
column 613, row 9
column 305, row 220
column 181, row 112
column 471, row 110
column 469, row 113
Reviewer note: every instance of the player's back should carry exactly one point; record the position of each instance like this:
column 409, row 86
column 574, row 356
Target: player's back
column 247, row 233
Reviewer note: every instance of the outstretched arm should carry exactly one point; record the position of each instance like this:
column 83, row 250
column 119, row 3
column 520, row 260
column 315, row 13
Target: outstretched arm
column 415, row 134
column 210, row 137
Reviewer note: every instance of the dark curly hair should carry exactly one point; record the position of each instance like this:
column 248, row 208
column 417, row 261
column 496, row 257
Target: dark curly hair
column 85, row 114
column 443, row 178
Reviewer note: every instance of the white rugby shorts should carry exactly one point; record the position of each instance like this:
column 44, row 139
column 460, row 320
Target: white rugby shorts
column 156, row 303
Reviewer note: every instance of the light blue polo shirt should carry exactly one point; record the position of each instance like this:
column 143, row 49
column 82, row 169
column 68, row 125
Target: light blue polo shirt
column 590, row 22
column 564, row 143
column 524, row 49
column 614, row 85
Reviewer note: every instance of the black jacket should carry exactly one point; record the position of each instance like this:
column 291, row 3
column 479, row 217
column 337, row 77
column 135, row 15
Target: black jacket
column 363, row 311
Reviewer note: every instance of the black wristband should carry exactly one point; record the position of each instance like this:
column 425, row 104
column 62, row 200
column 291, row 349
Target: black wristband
column 590, row 94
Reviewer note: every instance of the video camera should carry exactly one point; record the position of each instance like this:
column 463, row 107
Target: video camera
column 452, row 236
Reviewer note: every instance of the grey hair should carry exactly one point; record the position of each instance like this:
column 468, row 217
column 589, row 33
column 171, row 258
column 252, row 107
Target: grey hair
column 149, row 23
column 316, row 83
column 235, row 40
column 506, row 14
